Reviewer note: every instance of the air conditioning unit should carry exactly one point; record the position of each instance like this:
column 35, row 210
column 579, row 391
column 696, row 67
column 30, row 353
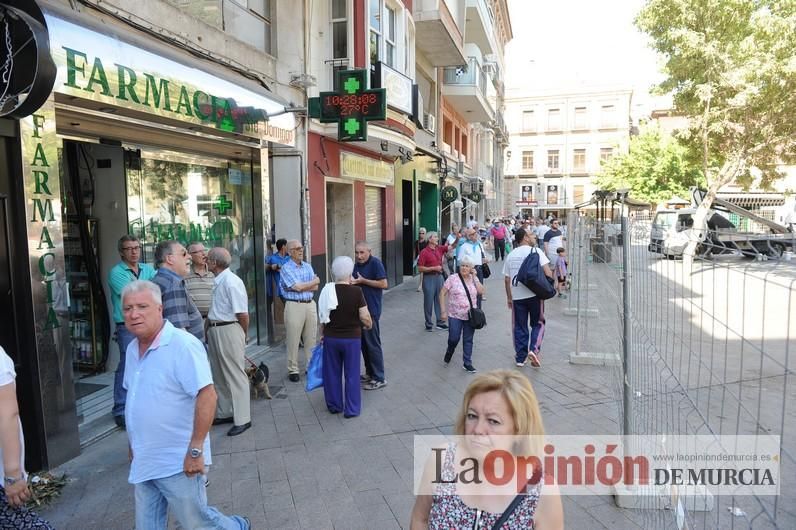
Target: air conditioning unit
column 430, row 122
column 460, row 167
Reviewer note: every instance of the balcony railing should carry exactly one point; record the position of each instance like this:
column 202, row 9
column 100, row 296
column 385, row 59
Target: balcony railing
column 471, row 75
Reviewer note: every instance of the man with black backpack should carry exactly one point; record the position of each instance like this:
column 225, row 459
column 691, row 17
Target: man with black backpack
column 526, row 306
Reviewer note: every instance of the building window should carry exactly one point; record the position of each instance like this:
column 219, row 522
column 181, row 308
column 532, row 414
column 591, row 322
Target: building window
column 464, row 147
column 552, row 161
column 528, row 121
column 339, row 29
column 554, row 119
column 389, row 37
column 581, row 118
column 608, row 117
column 388, row 33
column 579, row 160
column 606, row 154
column 577, row 193
column 527, row 160
column 248, row 21
column 375, row 30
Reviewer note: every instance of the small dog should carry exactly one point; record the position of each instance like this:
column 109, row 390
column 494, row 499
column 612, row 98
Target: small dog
column 258, row 379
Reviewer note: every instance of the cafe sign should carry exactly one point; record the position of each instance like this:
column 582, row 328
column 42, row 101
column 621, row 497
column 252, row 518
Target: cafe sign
column 105, row 69
column 363, row 168
column 449, row 193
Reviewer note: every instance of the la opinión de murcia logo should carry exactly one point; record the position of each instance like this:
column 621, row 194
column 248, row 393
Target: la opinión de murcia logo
column 27, row 71
column 592, row 465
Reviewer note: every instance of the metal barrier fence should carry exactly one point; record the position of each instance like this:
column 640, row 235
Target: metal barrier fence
column 699, row 346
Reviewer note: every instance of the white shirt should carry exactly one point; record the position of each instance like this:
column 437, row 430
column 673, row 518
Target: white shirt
column 229, row 298
column 541, row 230
column 7, row 377
column 512, row 266
column 161, row 402
column 471, row 250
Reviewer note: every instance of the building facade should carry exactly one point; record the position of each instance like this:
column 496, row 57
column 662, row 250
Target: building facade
column 473, row 133
column 558, row 141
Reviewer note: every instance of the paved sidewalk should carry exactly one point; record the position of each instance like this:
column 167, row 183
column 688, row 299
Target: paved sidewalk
column 301, row 467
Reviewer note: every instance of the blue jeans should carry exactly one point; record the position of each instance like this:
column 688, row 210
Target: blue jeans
column 461, row 328
column 341, row 362
column 372, row 352
column 123, row 338
column 186, row 498
column 432, row 285
column 526, row 310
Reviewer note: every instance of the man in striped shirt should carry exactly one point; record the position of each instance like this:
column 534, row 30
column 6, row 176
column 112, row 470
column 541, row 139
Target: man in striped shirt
column 171, row 260
column 199, row 281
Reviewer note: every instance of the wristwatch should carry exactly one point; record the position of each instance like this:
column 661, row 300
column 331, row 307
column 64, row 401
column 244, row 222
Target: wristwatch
column 195, row 452
column 10, row 481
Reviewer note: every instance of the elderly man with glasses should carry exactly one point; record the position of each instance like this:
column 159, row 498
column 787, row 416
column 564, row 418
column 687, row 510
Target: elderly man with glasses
column 298, row 281
column 127, row 270
column 199, row 281
column 171, row 260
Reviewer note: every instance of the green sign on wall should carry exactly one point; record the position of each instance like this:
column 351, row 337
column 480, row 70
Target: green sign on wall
column 476, row 196
column 352, row 107
column 449, row 193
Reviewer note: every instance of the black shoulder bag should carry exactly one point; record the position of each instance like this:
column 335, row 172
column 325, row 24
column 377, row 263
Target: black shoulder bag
column 475, row 316
column 510, row 509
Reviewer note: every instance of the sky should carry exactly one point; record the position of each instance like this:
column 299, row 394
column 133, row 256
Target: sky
column 577, row 43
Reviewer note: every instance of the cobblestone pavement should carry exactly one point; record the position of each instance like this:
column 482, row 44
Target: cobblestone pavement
column 301, row 467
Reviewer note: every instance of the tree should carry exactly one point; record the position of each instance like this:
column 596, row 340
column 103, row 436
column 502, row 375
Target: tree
column 655, row 169
column 730, row 66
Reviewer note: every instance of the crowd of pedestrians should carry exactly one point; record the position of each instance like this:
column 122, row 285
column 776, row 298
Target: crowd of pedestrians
column 182, row 329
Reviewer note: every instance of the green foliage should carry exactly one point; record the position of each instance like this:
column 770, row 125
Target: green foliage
column 731, row 67
column 655, row 169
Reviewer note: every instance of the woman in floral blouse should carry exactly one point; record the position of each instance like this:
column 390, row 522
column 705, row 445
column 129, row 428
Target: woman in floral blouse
column 499, row 411
column 455, row 306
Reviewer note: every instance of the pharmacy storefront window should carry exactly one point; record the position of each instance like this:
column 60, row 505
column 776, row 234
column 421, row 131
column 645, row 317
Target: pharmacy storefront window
column 195, row 198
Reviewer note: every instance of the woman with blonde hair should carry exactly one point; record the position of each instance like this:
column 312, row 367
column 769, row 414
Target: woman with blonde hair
column 499, row 411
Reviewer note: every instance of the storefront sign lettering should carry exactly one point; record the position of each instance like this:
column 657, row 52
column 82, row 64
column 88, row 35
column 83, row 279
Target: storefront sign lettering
column 124, row 75
column 157, row 93
column 42, row 197
column 362, row 168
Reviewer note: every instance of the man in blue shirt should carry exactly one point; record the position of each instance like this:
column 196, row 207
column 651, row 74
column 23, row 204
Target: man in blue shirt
column 170, row 408
column 172, row 261
column 370, row 275
column 298, row 281
column 124, row 272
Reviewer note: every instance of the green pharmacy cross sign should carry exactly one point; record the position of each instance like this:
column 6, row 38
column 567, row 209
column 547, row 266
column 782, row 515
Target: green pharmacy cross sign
column 222, row 204
column 352, row 107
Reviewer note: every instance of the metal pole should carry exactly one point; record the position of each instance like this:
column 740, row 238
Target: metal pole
column 579, row 272
column 627, row 389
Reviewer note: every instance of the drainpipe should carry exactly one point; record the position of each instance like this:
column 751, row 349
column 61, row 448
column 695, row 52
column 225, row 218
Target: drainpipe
column 305, row 166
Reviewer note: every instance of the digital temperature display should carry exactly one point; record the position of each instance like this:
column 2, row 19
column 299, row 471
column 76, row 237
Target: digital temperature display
column 352, row 105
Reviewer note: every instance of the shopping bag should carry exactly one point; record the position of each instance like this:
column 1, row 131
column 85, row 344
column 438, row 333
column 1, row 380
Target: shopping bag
column 315, row 368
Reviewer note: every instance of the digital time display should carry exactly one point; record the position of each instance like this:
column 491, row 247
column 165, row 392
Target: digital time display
column 353, row 105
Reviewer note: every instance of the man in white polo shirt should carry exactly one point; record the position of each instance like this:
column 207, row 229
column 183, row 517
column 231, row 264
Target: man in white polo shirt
column 227, row 327
column 169, row 409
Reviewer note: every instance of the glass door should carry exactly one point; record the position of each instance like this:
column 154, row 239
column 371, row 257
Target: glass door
column 195, row 198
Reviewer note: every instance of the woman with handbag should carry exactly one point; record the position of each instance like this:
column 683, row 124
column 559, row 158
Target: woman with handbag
column 499, row 411
column 456, row 299
column 343, row 313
